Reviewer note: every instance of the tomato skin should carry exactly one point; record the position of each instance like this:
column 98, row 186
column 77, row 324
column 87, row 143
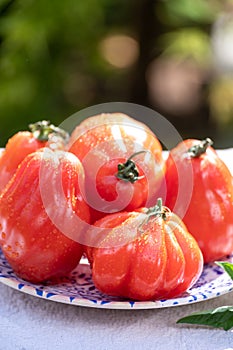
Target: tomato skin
column 33, row 245
column 101, row 142
column 17, row 148
column 210, row 211
column 151, row 265
column 23, row 143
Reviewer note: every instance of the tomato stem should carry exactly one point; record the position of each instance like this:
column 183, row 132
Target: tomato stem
column 44, row 130
column 199, row 149
column 154, row 212
column 158, row 210
column 128, row 171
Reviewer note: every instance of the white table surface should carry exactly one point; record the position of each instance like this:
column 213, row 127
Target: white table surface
column 31, row 323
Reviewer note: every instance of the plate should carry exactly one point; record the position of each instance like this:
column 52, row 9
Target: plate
column 78, row 288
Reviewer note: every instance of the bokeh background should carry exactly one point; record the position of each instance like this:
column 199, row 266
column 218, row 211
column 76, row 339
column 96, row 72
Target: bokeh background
column 174, row 56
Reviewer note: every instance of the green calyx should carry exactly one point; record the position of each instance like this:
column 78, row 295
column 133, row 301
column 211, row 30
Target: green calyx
column 153, row 213
column 199, row 149
column 44, row 130
column 128, row 171
column 158, row 210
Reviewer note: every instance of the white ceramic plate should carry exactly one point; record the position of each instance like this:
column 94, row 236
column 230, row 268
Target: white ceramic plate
column 78, row 288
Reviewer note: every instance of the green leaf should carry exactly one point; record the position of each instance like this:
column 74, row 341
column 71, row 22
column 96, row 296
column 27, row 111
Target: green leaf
column 227, row 266
column 221, row 317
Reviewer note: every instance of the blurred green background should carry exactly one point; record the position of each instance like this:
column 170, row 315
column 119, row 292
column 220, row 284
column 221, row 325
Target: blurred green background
column 174, row 56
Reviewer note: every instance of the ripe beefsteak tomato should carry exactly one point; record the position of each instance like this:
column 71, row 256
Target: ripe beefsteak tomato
column 25, row 142
column 143, row 255
column 209, row 215
column 123, row 162
column 31, row 241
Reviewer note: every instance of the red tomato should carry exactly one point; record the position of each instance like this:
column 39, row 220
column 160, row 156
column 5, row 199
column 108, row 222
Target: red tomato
column 24, row 143
column 209, row 215
column 30, row 237
column 144, row 255
column 123, row 162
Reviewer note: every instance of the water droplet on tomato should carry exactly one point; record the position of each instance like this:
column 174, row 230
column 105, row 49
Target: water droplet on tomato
column 9, row 248
column 11, row 214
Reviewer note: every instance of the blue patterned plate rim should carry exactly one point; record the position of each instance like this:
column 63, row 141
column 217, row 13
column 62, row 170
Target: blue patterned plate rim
column 78, row 288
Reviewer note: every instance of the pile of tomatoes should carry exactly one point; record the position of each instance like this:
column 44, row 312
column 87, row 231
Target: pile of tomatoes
column 147, row 225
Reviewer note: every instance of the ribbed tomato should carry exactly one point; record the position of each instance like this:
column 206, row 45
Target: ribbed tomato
column 143, row 255
column 209, row 214
column 33, row 207
column 25, row 142
column 123, row 162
